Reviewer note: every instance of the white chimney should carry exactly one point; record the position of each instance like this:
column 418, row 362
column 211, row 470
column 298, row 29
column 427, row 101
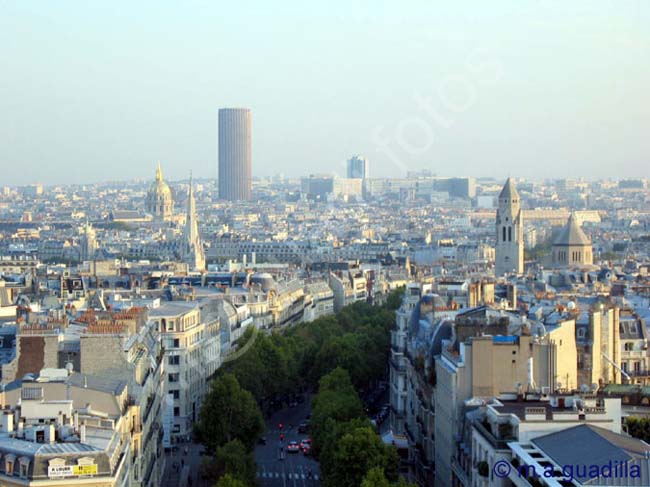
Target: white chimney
column 82, row 433
column 531, row 379
column 50, row 436
column 7, row 423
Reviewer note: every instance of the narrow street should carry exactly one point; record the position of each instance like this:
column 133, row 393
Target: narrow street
column 277, row 467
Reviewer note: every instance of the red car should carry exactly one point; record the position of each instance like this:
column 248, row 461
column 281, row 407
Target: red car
column 305, row 445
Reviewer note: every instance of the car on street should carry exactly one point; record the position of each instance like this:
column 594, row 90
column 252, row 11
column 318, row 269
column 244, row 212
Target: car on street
column 305, row 446
column 303, row 427
column 293, row 447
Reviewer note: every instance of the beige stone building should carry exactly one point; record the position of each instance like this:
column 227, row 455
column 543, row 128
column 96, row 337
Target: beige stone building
column 190, row 334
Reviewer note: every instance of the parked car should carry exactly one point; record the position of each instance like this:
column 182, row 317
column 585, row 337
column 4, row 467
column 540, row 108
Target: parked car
column 303, row 427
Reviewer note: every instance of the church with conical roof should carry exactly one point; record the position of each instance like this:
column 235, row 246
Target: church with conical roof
column 159, row 201
column 572, row 247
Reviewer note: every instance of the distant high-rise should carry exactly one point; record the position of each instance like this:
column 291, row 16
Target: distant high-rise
column 510, row 232
column 358, row 167
column 235, row 171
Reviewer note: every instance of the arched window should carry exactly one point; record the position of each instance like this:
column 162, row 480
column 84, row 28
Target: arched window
column 509, row 234
column 504, row 234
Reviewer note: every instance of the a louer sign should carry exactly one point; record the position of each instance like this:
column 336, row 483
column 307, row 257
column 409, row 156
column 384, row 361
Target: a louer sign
column 71, row 470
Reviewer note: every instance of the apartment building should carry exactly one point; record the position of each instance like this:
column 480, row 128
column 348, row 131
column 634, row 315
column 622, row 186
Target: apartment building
column 190, row 335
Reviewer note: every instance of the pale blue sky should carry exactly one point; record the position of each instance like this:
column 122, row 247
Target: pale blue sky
column 92, row 92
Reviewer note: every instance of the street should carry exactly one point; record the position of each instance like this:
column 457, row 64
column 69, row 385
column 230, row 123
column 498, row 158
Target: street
column 276, row 467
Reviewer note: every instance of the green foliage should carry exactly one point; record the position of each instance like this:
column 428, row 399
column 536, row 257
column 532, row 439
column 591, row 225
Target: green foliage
column 229, row 413
column 336, row 402
column 638, row 428
column 230, row 481
column 356, row 453
column 357, row 339
column 394, row 299
column 231, row 459
column 377, row 478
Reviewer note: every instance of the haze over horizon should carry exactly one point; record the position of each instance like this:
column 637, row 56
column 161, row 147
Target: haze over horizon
column 101, row 92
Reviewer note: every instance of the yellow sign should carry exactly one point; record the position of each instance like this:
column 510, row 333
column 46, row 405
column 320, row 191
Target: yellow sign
column 84, row 469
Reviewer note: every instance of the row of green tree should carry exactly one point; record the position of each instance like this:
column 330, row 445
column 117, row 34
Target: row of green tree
column 340, row 355
column 350, row 451
column 356, row 339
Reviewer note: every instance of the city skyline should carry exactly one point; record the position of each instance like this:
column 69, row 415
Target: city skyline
column 535, row 89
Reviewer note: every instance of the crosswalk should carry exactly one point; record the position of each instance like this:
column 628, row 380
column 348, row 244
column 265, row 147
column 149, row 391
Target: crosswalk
column 285, row 475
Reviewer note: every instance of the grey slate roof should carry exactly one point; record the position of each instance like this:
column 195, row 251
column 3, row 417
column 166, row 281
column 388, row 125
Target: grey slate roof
column 590, row 445
column 572, row 234
column 97, row 383
column 509, row 190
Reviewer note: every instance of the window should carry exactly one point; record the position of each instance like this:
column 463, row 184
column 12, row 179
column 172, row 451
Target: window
column 173, row 377
column 174, row 359
column 633, row 328
column 177, row 411
column 176, row 343
column 504, row 234
column 628, row 347
column 176, row 394
column 509, row 234
column 581, row 332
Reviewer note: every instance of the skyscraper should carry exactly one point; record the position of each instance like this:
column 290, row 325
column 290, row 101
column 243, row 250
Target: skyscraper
column 510, row 232
column 235, row 172
column 358, row 167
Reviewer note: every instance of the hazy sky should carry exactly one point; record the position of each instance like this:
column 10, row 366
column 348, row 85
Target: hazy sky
column 92, row 91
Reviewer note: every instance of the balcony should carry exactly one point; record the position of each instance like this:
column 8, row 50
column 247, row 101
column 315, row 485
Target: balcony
column 638, row 373
column 459, row 472
column 486, row 431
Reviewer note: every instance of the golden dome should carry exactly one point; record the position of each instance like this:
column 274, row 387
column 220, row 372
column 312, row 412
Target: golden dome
column 159, row 201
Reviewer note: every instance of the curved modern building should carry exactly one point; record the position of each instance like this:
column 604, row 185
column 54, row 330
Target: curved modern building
column 235, row 171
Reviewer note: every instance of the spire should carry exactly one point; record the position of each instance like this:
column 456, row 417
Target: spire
column 509, row 190
column 159, row 176
column 193, row 248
